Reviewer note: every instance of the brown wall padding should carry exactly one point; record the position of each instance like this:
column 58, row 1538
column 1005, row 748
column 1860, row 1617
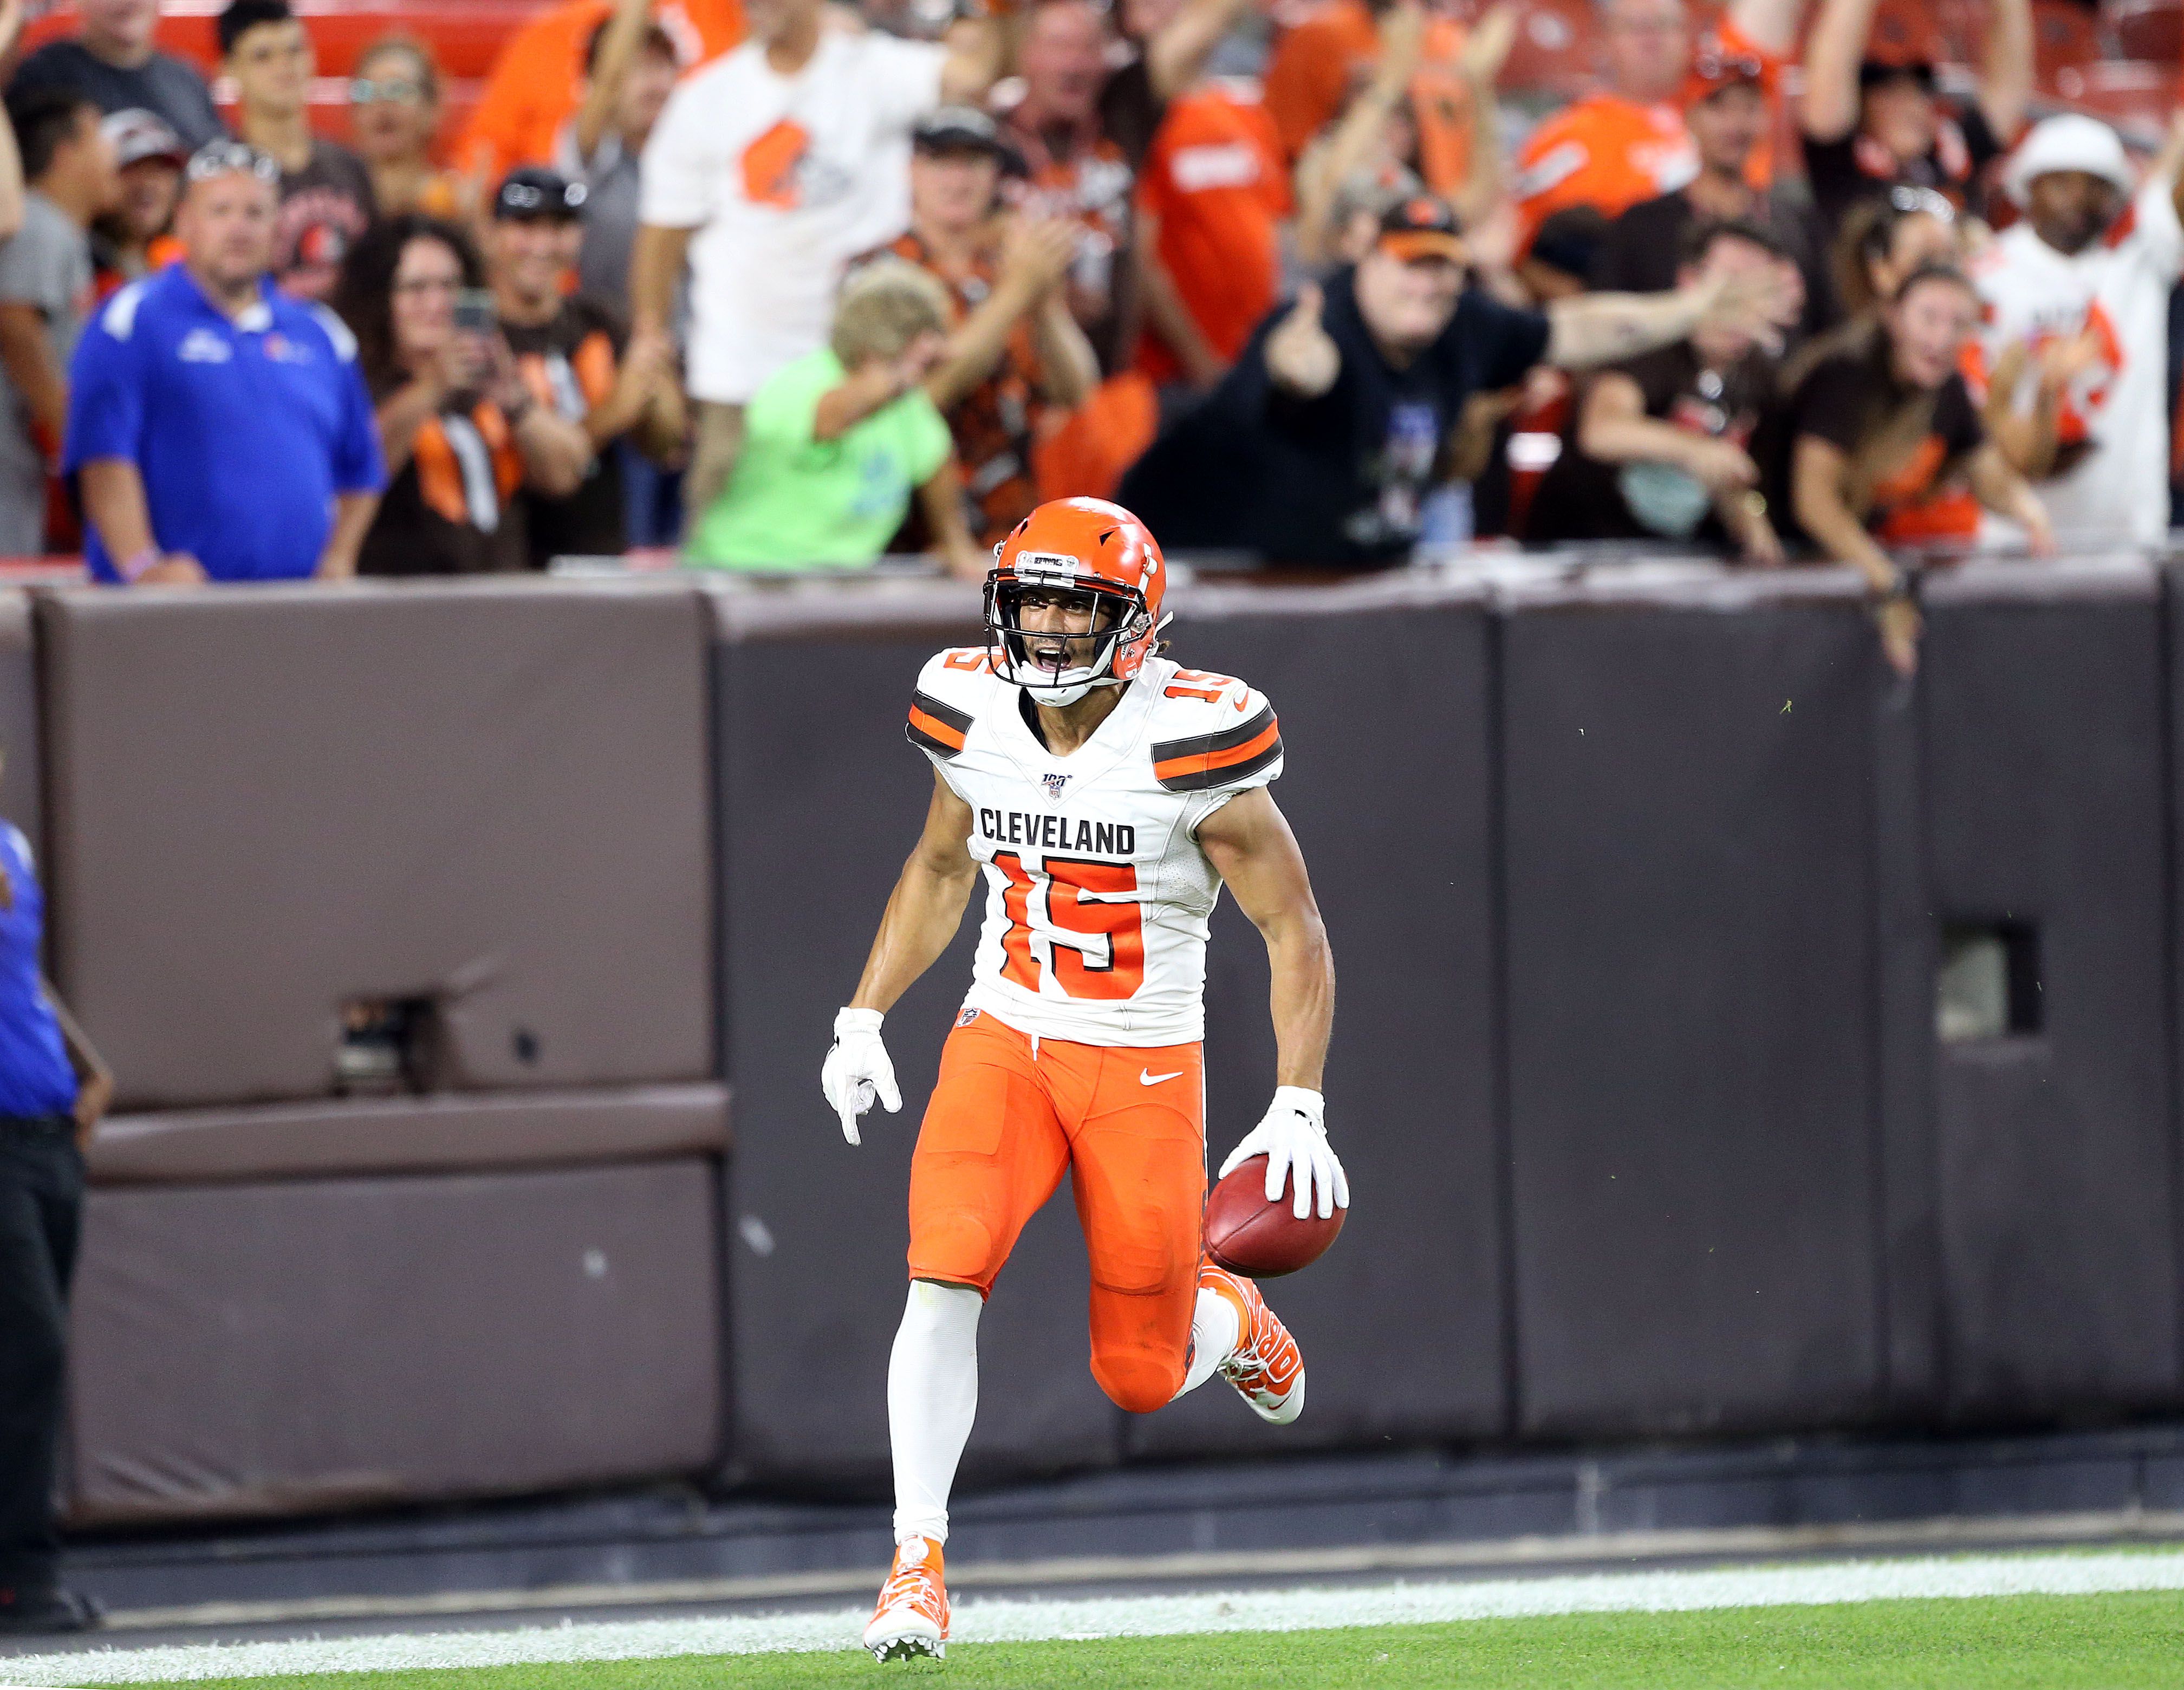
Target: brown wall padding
column 21, row 800
column 1384, row 693
column 267, row 803
column 271, row 1349
column 2046, row 791
column 410, row 1135
column 822, row 798
column 1687, row 848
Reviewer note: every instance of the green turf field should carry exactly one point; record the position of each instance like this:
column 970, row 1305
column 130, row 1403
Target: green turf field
column 2052, row 1642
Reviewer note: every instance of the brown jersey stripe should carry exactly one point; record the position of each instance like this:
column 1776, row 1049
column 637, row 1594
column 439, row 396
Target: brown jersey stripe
column 1199, row 780
column 947, row 715
column 932, row 734
column 1196, row 773
column 1207, row 744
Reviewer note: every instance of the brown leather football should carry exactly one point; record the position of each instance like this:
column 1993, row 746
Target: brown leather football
column 1249, row 1236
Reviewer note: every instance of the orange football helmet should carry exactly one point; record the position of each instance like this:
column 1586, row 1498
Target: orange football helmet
column 1078, row 546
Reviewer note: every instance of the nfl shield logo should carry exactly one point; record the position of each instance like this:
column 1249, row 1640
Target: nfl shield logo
column 1054, row 782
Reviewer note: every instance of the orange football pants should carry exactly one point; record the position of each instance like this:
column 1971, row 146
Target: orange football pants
column 1007, row 1118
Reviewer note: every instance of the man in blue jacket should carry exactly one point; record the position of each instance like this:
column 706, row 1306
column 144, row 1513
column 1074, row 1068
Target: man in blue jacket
column 218, row 430
column 52, row 1090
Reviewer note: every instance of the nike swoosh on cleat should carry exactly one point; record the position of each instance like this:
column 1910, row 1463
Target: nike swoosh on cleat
column 1146, row 1078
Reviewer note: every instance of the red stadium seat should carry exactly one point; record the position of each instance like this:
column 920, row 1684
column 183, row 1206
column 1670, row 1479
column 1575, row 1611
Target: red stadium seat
column 465, row 35
column 1962, row 26
column 2066, row 39
column 2148, row 29
column 2136, row 97
column 1556, row 52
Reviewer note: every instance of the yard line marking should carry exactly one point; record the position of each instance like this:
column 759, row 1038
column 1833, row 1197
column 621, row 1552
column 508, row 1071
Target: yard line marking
column 1000, row 1621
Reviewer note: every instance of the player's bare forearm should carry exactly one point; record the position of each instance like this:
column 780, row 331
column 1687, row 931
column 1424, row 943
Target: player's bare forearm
column 94, row 1079
column 353, row 514
column 2006, row 68
column 1830, row 99
column 1068, row 368
column 979, row 52
column 114, row 503
column 1816, row 496
column 614, row 58
column 1302, row 997
column 26, row 353
column 1249, row 841
column 655, row 266
column 926, row 906
column 1605, row 328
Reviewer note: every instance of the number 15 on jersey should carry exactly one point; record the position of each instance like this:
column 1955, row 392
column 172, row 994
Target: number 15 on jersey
column 1077, row 916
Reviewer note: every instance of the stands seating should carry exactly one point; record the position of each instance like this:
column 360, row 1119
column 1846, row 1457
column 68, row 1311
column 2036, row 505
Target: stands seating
column 2151, row 29
column 1556, row 52
column 1962, row 25
column 2066, row 39
column 2135, row 96
column 465, row 35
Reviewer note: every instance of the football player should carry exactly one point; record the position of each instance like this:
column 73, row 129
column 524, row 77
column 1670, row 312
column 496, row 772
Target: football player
column 1106, row 795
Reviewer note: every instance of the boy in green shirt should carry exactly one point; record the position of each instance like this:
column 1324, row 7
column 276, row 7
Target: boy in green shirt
column 836, row 442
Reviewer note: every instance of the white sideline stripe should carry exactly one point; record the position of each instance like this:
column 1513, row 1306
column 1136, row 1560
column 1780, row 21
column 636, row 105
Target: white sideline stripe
column 1145, row 1616
column 1747, row 1542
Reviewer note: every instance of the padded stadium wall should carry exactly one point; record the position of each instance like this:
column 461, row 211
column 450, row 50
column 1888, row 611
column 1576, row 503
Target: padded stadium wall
column 1653, row 895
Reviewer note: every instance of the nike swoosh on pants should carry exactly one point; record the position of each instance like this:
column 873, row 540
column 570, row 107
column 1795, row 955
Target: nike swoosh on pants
column 1148, row 1079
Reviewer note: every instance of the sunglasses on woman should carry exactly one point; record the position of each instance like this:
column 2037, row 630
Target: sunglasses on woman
column 397, row 91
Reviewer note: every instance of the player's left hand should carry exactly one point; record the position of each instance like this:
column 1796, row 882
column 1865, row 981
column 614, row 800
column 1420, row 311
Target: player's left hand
column 858, row 1069
column 1292, row 1135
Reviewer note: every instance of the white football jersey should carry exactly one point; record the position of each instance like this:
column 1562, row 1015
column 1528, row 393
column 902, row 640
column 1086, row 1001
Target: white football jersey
column 1097, row 893
column 2117, row 293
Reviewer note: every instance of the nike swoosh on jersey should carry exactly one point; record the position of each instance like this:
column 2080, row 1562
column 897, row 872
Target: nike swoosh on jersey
column 1146, row 1078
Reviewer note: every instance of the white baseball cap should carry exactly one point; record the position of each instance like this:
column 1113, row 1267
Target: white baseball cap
column 2071, row 142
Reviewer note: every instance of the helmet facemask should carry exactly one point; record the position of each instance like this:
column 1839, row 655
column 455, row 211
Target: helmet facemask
column 1054, row 663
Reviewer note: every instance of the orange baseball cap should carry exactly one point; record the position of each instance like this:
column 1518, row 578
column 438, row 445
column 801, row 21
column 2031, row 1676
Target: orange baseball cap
column 1717, row 65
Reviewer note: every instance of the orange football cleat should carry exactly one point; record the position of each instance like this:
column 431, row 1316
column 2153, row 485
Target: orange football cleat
column 911, row 1619
column 1266, row 1366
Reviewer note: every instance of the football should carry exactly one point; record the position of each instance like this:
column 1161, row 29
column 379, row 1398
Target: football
column 1260, row 1240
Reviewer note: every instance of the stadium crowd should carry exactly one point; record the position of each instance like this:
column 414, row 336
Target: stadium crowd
column 789, row 283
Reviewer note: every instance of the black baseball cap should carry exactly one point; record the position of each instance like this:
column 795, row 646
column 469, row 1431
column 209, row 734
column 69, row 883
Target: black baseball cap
column 532, row 192
column 1421, row 226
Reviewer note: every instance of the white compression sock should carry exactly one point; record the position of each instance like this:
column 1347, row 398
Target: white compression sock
column 932, row 1394
column 1213, row 1334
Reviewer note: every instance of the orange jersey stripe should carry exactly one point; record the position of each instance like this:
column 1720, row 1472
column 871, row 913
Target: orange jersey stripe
column 934, row 727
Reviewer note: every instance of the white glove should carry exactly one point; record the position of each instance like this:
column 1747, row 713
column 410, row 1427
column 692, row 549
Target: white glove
column 1292, row 1137
column 857, row 1070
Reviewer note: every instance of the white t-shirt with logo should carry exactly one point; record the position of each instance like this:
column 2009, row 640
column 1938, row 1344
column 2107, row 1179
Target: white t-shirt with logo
column 2117, row 290
column 784, row 179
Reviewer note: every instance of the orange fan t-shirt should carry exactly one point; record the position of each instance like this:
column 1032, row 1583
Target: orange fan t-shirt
column 538, row 83
column 1610, row 152
column 1606, row 152
column 1317, row 65
column 1215, row 181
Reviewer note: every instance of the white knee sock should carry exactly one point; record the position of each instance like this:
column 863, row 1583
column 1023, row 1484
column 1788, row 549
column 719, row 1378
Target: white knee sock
column 932, row 1394
column 1214, row 1333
